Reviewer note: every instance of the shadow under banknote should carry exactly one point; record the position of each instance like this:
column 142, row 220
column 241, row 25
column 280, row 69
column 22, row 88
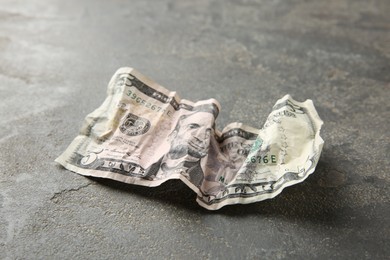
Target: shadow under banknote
column 314, row 200
column 173, row 192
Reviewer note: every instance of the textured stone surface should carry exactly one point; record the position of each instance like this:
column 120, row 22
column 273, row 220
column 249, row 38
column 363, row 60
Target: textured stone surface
column 56, row 58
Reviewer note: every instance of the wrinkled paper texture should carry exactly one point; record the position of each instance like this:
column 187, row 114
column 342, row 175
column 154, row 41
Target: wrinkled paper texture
column 144, row 134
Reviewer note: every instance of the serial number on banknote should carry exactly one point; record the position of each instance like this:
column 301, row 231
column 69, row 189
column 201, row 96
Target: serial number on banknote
column 266, row 159
column 146, row 104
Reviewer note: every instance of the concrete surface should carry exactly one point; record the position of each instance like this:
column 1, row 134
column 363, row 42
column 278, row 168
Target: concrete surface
column 56, row 58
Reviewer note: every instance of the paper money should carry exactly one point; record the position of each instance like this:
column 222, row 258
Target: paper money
column 145, row 134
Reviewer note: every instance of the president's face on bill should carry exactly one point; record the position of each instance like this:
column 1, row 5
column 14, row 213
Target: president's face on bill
column 193, row 135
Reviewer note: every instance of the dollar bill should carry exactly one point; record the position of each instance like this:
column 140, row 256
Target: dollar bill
column 145, row 134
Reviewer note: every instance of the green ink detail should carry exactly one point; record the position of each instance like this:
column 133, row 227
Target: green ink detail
column 256, row 145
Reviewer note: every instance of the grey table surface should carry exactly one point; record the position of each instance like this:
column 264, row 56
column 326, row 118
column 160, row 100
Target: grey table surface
column 56, row 58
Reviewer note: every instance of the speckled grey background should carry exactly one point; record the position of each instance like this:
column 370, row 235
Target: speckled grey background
column 56, row 58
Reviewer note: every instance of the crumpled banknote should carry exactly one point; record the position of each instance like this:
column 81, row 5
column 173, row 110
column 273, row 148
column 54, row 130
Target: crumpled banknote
column 145, row 134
